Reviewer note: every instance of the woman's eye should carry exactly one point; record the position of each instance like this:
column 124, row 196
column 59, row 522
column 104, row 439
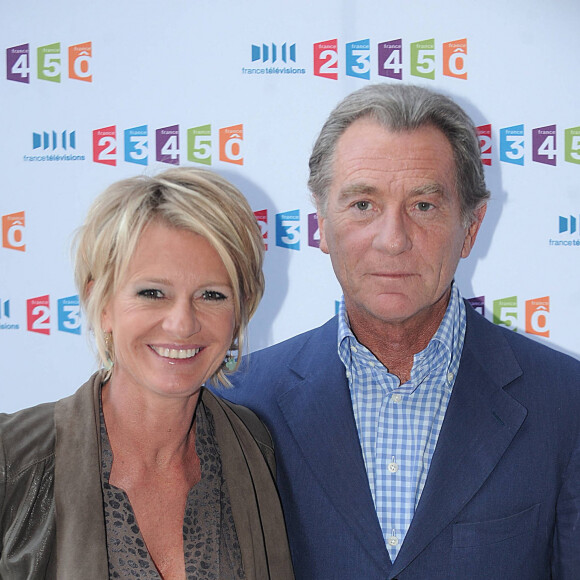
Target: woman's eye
column 362, row 205
column 213, row 295
column 151, row 293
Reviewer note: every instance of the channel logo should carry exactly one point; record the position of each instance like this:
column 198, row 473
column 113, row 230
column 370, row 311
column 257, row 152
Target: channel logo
column 273, row 52
column 390, row 55
column 484, row 132
column 50, row 64
column 288, row 230
column 262, row 219
column 53, row 140
column 358, row 59
column 536, row 315
column 167, row 144
column 544, row 145
column 5, row 323
column 313, row 231
column 512, row 144
column 326, row 59
column 13, row 231
column 105, row 145
column 38, row 314
column 423, row 59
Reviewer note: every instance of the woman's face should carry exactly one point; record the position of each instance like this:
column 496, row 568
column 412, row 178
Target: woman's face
column 172, row 316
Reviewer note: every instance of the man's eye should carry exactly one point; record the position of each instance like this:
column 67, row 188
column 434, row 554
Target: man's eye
column 424, row 206
column 362, row 205
column 151, row 293
column 213, row 295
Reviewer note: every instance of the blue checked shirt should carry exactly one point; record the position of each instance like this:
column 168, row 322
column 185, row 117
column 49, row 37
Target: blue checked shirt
column 398, row 425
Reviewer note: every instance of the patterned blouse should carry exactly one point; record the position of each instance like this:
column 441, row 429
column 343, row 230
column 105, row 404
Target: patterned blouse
column 210, row 543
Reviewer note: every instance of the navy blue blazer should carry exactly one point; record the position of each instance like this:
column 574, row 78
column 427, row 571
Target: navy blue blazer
column 502, row 497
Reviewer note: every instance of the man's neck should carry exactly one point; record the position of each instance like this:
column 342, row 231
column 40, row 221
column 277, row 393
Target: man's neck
column 395, row 344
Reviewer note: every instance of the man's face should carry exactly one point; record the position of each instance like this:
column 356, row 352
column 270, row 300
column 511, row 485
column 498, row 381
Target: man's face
column 393, row 225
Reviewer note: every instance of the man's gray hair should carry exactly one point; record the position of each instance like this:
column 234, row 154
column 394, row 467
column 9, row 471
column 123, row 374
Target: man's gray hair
column 403, row 108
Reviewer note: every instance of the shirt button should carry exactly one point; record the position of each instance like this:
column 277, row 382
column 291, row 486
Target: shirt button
column 371, row 364
column 397, row 398
column 354, row 349
column 393, row 541
column 450, row 377
column 393, row 467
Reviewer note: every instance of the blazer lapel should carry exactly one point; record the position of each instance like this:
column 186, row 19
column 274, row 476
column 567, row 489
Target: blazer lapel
column 80, row 522
column 318, row 410
column 480, row 423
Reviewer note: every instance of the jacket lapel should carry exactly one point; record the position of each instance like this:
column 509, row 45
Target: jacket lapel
column 480, row 423
column 80, row 523
column 318, row 410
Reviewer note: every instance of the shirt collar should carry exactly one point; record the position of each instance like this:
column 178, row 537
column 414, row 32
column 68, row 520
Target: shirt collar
column 441, row 354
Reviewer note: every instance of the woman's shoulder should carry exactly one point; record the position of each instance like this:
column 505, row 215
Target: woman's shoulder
column 27, row 437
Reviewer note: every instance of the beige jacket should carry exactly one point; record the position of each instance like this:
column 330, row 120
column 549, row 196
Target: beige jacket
column 51, row 521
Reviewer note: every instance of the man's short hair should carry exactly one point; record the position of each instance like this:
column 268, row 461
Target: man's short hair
column 403, row 108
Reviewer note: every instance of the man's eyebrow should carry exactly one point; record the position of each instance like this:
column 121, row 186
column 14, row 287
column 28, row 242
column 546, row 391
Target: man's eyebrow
column 355, row 190
column 432, row 188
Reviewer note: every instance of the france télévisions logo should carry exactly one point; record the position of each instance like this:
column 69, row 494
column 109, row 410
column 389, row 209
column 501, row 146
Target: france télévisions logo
column 51, row 64
column 5, row 322
column 65, row 140
column 568, row 232
column 273, row 52
column 54, row 146
column 273, row 59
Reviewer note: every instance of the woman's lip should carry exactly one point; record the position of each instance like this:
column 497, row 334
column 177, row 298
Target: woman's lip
column 175, row 353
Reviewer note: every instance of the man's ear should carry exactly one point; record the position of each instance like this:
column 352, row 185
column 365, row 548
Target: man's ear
column 472, row 230
column 321, row 231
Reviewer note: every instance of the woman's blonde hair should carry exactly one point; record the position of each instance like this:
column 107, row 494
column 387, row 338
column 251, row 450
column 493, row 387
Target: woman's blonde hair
column 191, row 199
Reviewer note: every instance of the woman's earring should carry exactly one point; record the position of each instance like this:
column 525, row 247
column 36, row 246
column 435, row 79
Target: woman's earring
column 230, row 361
column 108, row 336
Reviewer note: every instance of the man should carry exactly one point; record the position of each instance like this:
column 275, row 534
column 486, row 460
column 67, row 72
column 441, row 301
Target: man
column 414, row 439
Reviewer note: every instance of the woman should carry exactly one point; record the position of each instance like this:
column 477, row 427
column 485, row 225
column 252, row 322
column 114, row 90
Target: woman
column 143, row 472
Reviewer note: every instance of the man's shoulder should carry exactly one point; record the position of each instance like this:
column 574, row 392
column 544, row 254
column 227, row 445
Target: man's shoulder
column 324, row 336
column 264, row 372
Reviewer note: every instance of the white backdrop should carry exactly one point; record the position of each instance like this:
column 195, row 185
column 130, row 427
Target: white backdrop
column 92, row 92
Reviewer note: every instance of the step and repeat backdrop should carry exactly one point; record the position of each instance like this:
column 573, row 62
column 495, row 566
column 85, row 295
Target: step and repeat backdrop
column 94, row 92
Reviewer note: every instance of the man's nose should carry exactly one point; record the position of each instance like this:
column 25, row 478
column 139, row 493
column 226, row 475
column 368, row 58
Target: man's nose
column 392, row 233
